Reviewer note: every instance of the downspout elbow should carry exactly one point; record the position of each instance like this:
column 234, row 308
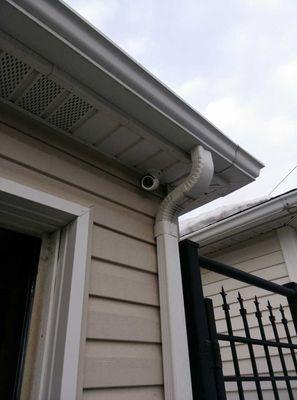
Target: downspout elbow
column 201, row 174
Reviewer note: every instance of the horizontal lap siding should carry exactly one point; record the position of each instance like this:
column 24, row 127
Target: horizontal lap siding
column 261, row 257
column 63, row 167
column 123, row 337
column 267, row 392
column 123, row 358
column 115, row 320
column 127, row 251
column 141, row 393
column 123, row 283
column 122, row 364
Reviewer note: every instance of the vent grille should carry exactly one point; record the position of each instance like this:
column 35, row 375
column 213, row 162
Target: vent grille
column 12, row 72
column 40, row 95
column 69, row 113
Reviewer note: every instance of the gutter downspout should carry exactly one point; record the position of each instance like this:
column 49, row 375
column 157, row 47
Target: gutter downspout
column 176, row 367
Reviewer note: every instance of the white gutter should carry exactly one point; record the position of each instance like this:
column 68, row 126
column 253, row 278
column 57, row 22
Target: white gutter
column 258, row 215
column 124, row 82
column 176, row 368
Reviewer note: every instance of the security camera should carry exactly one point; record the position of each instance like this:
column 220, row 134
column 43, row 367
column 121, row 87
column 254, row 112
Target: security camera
column 149, row 182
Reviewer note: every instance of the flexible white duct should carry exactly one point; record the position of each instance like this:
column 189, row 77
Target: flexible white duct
column 170, row 208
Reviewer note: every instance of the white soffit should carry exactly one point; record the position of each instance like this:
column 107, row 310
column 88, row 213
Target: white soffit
column 31, row 85
column 115, row 107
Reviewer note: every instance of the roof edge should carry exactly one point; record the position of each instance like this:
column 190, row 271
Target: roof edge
column 247, row 219
column 69, row 26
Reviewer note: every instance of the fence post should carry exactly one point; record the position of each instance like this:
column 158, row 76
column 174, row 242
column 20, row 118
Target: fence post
column 292, row 301
column 218, row 366
column 200, row 347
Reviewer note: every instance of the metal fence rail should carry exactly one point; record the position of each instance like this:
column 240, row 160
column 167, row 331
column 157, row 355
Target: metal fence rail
column 242, row 276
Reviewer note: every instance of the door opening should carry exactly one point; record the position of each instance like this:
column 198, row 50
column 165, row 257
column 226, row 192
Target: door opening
column 19, row 256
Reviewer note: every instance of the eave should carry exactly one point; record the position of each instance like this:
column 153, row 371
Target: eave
column 66, row 49
column 265, row 217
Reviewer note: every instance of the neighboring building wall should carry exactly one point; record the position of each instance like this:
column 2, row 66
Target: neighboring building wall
column 263, row 257
column 123, row 345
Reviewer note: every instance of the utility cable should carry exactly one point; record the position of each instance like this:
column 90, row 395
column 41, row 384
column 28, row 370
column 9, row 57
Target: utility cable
column 289, row 173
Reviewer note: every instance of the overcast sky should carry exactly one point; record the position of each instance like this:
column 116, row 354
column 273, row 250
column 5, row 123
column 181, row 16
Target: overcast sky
column 235, row 61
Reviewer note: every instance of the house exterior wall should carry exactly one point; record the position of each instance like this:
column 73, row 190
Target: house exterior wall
column 263, row 257
column 123, row 358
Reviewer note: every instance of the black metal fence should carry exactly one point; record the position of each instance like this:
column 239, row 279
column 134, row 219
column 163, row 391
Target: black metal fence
column 208, row 380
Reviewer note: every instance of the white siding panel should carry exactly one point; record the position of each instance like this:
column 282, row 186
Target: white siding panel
column 253, row 324
column 249, row 304
column 143, row 393
column 272, row 273
column 262, row 257
column 248, row 250
column 255, row 331
column 243, row 350
column 115, row 320
column 118, row 282
column 124, row 250
column 247, row 292
column 122, row 364
column 252, row 265
column 246, row 366
column 64, row 167
column 251, row 393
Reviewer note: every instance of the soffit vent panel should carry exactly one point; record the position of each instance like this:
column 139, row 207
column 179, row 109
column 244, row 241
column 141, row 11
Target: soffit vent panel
column 40, row 95
column 55, row 101
column 72, row 110
column 59, row 106
column 12, row 72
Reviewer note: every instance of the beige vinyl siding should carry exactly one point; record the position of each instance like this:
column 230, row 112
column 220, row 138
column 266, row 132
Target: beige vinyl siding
column 123, row 358
column 143, row 393
column 263, row 257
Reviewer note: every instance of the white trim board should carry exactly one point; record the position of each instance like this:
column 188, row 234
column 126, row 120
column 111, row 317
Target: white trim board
column 60, row 347
column 38, row 197
column 288, row 241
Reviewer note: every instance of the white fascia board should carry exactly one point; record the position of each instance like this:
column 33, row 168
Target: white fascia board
column 245, row 220
column 90, row 56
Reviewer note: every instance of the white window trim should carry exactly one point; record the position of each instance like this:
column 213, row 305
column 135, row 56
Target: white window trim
column 288, row 241
column 37, row 212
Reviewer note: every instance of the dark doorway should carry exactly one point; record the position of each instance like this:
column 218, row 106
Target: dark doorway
column 19, row 254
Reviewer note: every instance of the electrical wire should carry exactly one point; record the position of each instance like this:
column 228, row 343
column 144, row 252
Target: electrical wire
column 289, row 173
